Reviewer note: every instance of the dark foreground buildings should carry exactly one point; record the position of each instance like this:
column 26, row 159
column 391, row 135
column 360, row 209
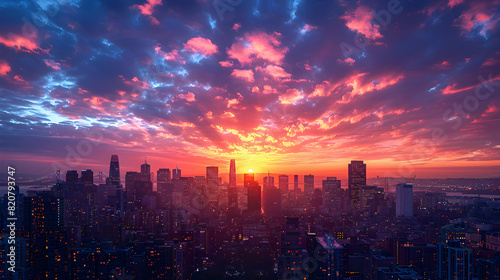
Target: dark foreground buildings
column 208, row 227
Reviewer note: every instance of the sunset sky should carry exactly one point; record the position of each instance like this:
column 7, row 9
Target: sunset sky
column 295, row 87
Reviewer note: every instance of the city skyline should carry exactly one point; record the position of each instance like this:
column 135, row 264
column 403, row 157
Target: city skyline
column 215, row 83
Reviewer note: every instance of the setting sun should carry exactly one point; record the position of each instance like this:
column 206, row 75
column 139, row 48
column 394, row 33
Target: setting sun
column 250, row 170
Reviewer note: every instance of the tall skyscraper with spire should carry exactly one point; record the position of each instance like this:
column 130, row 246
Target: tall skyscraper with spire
column 114, row 171
column 146, row 169
column 176, row 173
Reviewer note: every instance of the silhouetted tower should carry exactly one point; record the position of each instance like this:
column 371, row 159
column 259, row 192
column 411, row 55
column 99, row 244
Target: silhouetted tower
column 114, row 171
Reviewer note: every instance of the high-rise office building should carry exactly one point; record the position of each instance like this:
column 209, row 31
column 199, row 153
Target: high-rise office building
column 254, row 197
column 176, row 173
column 367, row 199
column 330, row 264
column 296, row 183
column 232, row 173
column 290, row 259
column 268, row 181
column 271, row 197
column 71, row 177
column 247, row 179
column 163, row 176
column 212, row 190
column 146, row 170
column 332, row 192
column 47, row 236
column 164, row 187
column 404, row 200
column 308, row 184
column 87, row 177
column 232, row 191
column 357, row 178
column 454, row 261
column 137, row 186
column 114, row 171
column 283, row 184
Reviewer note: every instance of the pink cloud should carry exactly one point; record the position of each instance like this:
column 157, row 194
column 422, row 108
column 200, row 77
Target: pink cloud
column 443, row 65
column 360, row 21
column 356, row 84
column 258, row 45
column 236, row 26
column 492, row 61
column 20, row 43
column 348, row 61
column 481, row 15
column 307, row 28
column 243, row 74
column 269, row 89
column 190, row 97
column 147, row 9
column 52, row 64
column 4, row 68
column 172, row 55
column 226, row 63
column 134, row 82
column 274, row 71
column 201, row 45
column 234, row 101
column 453, row 3
column 291, row 96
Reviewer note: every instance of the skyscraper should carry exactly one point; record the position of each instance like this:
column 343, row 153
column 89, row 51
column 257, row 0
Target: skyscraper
column 232, row 191
column 283, row 184
column 163, row 175
column 357, row 178
column 454, row 261
column 290, row 259
column 247, row 179
column 213, row 186
column 232, row 173
column 146, row 170
column 271, row 197
column 296, row 183
column 268, row 181
column 71, row 177
column 176, row 173
column 332, row 192
column 87, row 177
column 331, row 263
column 164, row 187
column 137, row 186
column 48, row 238
column 114, row 171
column 254, row 197
column 308, row 184
column 404, row 200
column 369, row 199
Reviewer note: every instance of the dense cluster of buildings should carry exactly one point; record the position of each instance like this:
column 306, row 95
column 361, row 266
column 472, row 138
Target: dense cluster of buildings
column 203, row 228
